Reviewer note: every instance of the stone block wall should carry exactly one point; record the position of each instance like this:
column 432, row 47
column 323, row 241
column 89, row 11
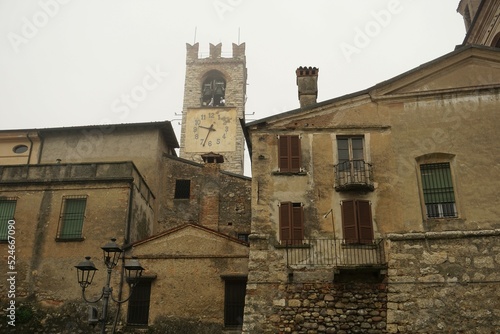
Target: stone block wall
column 322, row 307
column 445, row 282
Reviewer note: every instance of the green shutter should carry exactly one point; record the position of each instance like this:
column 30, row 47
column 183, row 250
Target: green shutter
column 437, row 185
column 72, row 219
column 7, row 209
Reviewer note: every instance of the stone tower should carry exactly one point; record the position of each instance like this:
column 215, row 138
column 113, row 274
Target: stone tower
column 214, row 106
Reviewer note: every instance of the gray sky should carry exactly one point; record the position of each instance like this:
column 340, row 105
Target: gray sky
column 73, row 62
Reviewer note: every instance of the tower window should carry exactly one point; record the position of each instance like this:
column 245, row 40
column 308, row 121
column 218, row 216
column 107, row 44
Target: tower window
column 182, row 189
column 213, row 91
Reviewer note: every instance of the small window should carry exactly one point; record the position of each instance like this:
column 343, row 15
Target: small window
column 291, row 223
column 289, row 160
column 182, row 189
column 72, row 217
column 243, row 237
column 357, row 221
column 7, row 209
column 437, row 188
column 19, row 149
column 138, row 305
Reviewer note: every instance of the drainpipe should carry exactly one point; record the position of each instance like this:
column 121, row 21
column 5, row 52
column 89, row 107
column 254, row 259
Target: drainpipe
column 31, row 147
column 126, row 242
column 41, row 148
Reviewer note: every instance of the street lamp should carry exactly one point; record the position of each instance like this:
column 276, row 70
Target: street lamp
column 86, row 271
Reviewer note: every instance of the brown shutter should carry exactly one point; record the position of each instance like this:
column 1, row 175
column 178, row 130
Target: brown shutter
column 365, row 226
column 289, row 159
column 349, row 221
column 284, row 154
column 297, row 223
column 294, row 154
column 285, row 221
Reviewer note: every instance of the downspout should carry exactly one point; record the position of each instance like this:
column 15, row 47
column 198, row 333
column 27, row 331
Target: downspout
column 31, row 147
column 126, row 243
column 41, row 148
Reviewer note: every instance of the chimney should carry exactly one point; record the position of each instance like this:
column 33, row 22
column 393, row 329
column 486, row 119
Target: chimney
column 210, row 191
column 307, row 81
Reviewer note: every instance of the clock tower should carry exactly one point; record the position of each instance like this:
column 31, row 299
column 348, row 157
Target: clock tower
column 214, row 106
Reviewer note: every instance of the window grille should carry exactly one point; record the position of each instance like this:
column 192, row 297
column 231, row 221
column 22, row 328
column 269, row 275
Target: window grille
column 437, row 188
column 7, row 209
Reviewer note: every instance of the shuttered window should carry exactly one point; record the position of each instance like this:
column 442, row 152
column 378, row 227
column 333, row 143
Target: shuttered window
column 437, row 188
column 357, row 221
column 291, row 222
column 289, row 154
column 7, row 209
column 72, row 217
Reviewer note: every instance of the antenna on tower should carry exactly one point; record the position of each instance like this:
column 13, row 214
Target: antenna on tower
column 195, row 28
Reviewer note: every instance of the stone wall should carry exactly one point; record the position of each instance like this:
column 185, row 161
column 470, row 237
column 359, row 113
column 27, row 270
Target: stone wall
column 444, row 282
column 322, row 307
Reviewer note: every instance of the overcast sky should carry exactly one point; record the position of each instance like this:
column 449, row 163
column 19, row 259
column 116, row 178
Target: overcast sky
column 73, row 62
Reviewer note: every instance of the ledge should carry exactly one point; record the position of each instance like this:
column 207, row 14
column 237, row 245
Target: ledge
column 443, row 235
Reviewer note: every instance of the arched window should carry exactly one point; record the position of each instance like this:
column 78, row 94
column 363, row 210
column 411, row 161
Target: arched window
column 213, row 90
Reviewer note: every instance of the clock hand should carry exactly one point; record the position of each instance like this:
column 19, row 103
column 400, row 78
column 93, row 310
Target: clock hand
column 210, row 129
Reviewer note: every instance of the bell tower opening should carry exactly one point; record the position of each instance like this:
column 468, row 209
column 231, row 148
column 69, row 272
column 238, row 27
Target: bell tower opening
column 213, row 90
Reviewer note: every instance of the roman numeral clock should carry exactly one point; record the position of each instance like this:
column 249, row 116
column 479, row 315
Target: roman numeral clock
column 214, row 105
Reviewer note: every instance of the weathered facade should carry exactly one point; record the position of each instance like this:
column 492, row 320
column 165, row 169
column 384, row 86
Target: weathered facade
column 371, row 213
column 68, row 191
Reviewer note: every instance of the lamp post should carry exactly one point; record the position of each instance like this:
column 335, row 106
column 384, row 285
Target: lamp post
column 86, row 271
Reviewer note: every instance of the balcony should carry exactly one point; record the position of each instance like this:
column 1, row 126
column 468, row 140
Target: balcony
column 335, row 253
column 353, row 175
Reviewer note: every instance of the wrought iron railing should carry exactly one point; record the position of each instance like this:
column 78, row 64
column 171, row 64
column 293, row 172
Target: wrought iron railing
column 353, row 174
column 334, row 252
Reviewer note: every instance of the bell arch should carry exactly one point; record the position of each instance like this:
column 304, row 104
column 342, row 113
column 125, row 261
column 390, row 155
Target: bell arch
column 213, row 89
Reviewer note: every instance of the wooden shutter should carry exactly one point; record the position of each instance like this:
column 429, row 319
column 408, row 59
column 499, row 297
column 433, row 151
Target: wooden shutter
column 295, row 154
column 297, row 222
column 364, row 218
column 285, row 220
column 349, row 225
column 284, row 154
column 289, row 159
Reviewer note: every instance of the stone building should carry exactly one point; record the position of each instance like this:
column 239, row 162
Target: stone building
column 376, row 212
column 69, row 190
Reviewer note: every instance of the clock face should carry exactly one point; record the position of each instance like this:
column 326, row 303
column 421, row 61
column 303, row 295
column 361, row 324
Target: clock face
column 210, row 130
